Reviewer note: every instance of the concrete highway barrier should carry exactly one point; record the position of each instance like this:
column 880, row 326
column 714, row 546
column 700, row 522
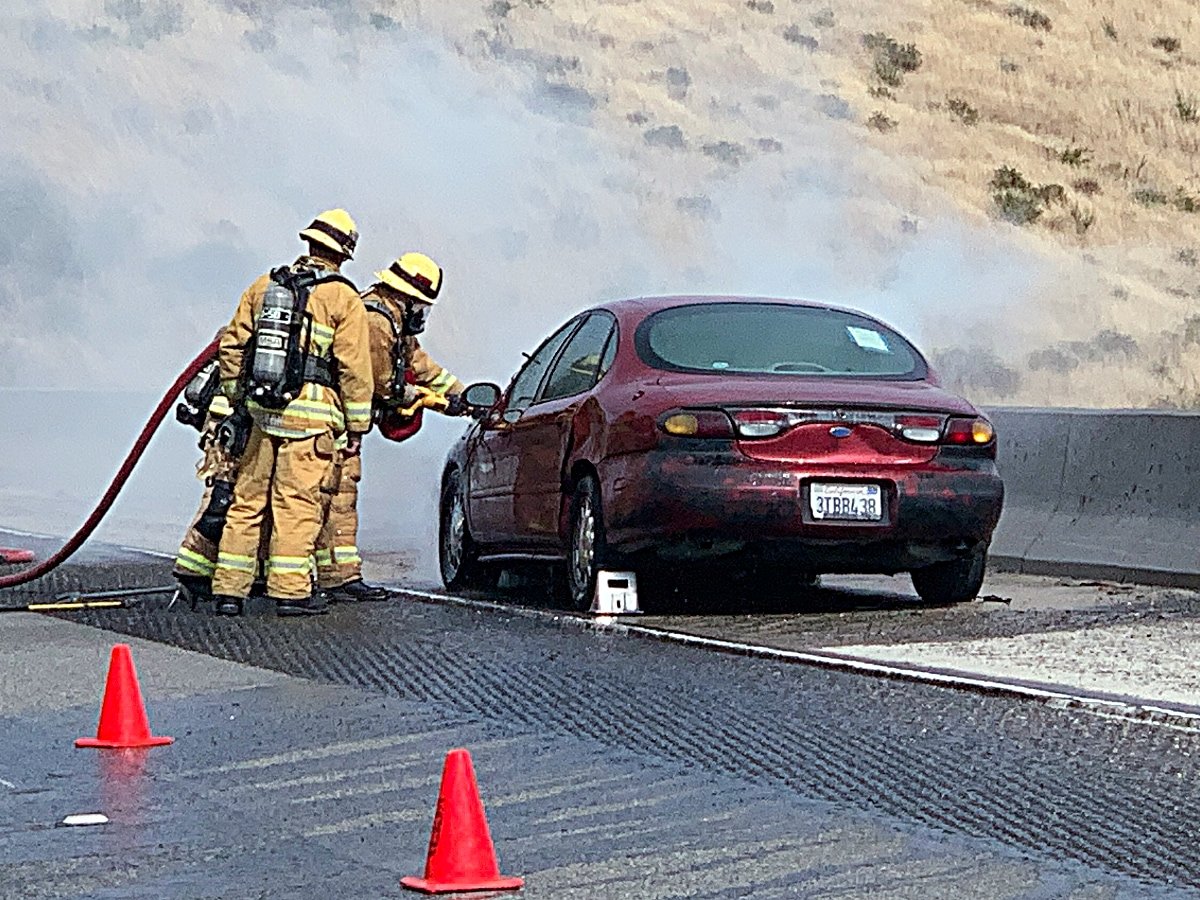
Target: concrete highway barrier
column 1108, row 494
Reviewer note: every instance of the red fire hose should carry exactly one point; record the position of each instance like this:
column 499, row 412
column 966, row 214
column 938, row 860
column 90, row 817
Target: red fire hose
column 160, row 412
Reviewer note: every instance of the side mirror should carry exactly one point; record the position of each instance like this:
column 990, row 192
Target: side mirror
column 481, row 397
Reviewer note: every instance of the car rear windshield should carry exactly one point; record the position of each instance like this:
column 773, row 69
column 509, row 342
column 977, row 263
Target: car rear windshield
column 774, row 338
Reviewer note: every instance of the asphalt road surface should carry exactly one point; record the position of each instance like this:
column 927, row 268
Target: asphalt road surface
column 307, row 753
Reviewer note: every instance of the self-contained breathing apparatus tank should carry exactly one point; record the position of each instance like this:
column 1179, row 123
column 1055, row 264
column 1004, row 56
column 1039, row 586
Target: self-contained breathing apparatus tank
column 393, row 425
column 280, row 363
column 280, row 342
column 198, row 396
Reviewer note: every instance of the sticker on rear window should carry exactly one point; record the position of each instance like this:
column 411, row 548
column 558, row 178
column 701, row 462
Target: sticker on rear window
column 868, row 339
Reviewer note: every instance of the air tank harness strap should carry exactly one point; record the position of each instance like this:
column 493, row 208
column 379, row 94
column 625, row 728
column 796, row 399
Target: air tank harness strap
column 320, row 370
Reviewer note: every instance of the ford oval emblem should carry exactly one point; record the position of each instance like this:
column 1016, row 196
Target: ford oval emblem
column 840, row 431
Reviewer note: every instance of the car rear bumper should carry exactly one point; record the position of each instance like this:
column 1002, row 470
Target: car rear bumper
column 695, row 505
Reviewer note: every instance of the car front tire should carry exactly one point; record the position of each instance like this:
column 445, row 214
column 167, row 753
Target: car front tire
column 586, row 547
column 956, row 581
column 458, row 557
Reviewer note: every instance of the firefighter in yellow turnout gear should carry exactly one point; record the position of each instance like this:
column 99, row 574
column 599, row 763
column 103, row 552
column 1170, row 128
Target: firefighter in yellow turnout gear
column 397, row 307
column 292, row 453
column 197, row 557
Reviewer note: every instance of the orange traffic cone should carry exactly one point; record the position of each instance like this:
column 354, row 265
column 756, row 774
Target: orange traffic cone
column 461, row 855
column 123, row 721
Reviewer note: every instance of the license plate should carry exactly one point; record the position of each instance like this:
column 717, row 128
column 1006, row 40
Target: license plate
column 846, row 502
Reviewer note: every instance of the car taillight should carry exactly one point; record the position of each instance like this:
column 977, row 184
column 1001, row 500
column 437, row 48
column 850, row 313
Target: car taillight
column 969, row 432
column 760, row 423
column 698, row 423
column 920, row 429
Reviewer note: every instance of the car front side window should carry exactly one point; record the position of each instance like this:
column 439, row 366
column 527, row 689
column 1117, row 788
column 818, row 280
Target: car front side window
column 527, row 381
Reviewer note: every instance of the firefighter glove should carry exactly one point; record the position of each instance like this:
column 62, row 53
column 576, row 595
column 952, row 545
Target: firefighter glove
column 457, row 406
column 234, row 431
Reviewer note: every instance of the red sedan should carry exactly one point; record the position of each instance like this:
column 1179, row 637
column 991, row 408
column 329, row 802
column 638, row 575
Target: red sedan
column 665, row 435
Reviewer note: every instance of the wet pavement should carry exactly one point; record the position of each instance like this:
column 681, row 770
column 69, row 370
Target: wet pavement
column 611, row 768
column 308, row 753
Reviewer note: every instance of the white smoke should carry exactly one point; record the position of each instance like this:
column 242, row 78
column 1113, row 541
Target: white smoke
column 157, row 156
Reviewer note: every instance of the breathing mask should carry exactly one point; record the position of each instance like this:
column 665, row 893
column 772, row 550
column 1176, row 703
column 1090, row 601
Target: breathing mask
column 415, row 315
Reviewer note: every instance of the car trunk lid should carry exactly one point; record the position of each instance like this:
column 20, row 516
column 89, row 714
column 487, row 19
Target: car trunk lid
column 826, row 421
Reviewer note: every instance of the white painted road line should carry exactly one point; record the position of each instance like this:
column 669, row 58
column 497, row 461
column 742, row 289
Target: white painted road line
column 1143, row 710
column 32, row 534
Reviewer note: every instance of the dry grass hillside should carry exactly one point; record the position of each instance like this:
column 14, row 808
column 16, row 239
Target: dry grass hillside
column 1069, row 129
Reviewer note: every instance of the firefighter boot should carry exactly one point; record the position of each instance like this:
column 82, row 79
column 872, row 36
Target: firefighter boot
column 196, row 589
column 301, row 606
column 355, row 591
column 228, row 605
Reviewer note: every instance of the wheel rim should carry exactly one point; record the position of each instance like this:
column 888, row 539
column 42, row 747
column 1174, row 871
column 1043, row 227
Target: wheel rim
column 583, row 548
column 454, row 529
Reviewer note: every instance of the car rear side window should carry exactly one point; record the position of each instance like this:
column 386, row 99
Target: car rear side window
column 774, row 339
column 529, row 379
column 578, row 365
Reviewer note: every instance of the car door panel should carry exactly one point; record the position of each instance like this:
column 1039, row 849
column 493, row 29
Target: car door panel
column 542, row 439
column 495, row 466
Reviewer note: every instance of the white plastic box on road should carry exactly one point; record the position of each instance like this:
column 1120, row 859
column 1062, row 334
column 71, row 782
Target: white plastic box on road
column 616, row 594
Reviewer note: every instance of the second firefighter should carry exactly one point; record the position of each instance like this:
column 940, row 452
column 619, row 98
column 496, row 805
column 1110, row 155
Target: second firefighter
column 406, row 379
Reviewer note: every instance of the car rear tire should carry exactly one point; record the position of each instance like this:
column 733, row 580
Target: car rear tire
column 458, row 557
column 587, row 548
column 956, row 581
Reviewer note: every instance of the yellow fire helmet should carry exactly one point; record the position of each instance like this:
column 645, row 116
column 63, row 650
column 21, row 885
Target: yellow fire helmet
column 333, row 229
column 414, row 274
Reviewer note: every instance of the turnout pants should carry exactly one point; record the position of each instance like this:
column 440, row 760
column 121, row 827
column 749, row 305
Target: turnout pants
column 338, row 560
column 197, row 556
column 285, row 476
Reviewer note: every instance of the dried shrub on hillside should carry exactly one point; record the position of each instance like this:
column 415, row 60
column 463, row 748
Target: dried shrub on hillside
column 1019, row 200
column 1030, row 18
column 824, row 18
column 699, row 207
column 1052, row 359
column 761, row 6
column 1110, row 30
column 1074, row 156
column 1087, row 186
column 1185, row 202
column 1107, row 346
column 962, row 110
column 768, row 145
column 835, row 107
column 1148, row 196
column 1168, row 44
column 380, row 22
column 501, row 8
column 1186, row 107
column 892, row 59
column 793, row 35
column 678, row 82
column 1083, row 217
column 1187, row 256
column 880, row 122
column 669, row 136
column 975, row 371
column 725, row 151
